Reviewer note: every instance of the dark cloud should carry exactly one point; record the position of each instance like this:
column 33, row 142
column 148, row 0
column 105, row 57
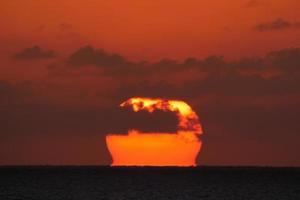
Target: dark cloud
column 286, row 59
column 224, row 77
column 14, row 93
column 38, row 116
column 53, row 119
column 255, row 132
column 35, row 53
column 110, row 64
column 243, row 77
column 89, row 56
column 117, row 66
column 253, row 85
column 278, row 24
column 256, row 122
column 221, row 85
column 232, row 122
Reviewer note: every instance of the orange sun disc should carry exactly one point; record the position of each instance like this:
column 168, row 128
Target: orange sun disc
column 158, row 149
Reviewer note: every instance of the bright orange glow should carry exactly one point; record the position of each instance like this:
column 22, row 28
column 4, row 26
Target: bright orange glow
column 158, row 149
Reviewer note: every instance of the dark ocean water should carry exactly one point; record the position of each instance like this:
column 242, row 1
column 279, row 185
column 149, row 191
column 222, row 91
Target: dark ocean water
column 96, row 183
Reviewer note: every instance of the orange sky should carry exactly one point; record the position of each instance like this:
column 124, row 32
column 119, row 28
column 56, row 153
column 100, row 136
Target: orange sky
column 142, row 29
column 248, row 107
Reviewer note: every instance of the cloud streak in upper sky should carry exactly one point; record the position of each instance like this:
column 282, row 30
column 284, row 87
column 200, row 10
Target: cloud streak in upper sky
column 278, row 24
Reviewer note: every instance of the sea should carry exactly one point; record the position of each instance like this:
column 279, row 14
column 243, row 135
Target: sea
column 118, row 183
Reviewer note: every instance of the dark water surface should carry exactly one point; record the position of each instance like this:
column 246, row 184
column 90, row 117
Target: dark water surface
column 89, row 183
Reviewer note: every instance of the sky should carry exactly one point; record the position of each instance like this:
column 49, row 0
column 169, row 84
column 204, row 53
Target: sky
column 67, row 65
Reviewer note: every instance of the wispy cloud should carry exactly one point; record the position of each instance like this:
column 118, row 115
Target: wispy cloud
column 278, row 24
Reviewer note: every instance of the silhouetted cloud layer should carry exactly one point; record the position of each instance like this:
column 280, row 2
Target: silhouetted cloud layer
column 34, row 53
column 116, row 65
column 240, row 102
column 90, row 56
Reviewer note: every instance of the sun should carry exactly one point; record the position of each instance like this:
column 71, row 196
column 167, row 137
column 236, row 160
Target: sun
column 136, row 148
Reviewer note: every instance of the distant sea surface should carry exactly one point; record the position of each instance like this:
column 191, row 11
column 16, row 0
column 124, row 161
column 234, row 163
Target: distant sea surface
column 96, row 183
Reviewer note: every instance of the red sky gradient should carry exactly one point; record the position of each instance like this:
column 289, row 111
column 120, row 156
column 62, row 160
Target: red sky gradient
column 59, row 92
column 150, row 29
